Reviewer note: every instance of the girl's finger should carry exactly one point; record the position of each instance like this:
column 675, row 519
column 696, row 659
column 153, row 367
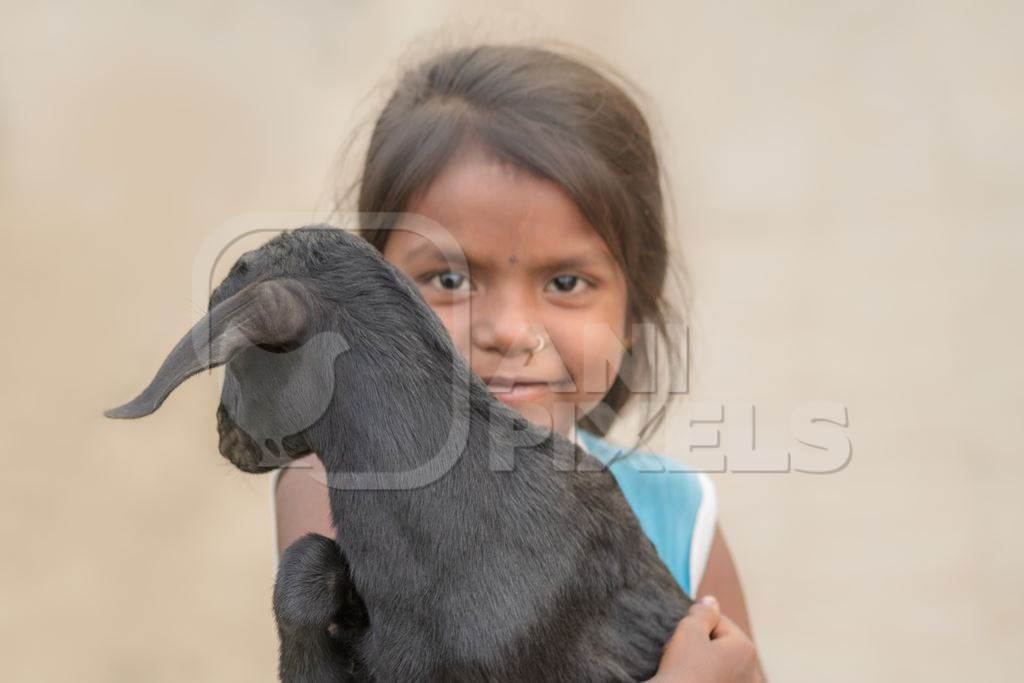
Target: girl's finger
column 725, row 628
column 704, row 616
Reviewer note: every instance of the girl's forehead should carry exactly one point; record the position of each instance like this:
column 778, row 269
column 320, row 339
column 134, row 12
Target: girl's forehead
column 495, row 213
column 523, row 245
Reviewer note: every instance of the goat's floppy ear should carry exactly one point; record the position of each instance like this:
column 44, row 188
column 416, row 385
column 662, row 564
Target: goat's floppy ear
column 271, row 313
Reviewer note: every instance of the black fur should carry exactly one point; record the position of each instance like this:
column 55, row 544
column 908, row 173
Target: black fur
column 319, row 615
column 496, row 563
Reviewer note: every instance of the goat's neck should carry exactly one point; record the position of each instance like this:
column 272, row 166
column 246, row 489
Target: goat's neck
column 409, row 466
column 401, row 412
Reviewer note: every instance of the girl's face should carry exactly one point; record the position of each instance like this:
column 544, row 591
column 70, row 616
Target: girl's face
column 504, row 257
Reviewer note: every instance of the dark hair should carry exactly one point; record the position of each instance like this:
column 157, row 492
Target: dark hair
column 561, row 119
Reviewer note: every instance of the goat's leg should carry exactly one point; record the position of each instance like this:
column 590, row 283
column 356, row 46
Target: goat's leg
column 319, row 614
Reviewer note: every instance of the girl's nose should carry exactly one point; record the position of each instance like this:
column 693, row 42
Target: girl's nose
column 504, row 324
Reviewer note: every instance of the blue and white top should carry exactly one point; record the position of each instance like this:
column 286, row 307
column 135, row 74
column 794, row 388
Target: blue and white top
column 676, row 506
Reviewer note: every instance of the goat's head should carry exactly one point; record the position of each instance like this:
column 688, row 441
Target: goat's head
column 274, row 323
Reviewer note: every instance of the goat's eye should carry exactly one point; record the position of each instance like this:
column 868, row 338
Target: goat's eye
column 450, row 281
column 241, row 266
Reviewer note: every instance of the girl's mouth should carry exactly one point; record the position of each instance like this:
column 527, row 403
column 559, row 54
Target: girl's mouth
column 511, row 390
column 521, row 391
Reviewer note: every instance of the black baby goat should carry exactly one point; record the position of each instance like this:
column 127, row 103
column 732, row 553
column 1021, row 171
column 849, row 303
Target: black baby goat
column 472, row 545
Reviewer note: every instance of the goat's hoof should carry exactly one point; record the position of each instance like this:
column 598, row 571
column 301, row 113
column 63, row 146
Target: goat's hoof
column 313, row 589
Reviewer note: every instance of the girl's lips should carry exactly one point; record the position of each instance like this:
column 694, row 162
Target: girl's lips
column 526, row 391
column 530, row 391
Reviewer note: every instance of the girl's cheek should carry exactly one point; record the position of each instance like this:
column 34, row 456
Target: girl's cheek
column 457, row 323
column 592, row 358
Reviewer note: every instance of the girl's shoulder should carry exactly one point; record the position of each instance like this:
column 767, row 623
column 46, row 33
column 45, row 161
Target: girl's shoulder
column 676, row 506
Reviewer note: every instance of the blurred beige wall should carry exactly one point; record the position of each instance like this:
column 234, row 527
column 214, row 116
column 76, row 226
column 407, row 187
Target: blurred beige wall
column 848, row 179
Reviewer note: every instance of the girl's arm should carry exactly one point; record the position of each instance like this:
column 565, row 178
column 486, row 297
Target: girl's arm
column 721, row 580
column 300, row 502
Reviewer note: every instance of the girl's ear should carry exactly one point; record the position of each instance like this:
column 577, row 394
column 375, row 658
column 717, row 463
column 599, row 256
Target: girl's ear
column 630, row 340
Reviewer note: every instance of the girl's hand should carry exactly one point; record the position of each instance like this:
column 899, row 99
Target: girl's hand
column 708, row 648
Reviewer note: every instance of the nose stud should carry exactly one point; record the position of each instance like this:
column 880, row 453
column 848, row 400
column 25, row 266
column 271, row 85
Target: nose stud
column 542, row 342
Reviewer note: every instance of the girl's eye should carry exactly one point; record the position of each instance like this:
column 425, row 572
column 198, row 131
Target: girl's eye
column 450, row 281
column 567, row 284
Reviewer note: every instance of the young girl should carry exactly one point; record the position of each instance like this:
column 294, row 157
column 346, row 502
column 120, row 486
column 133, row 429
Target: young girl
column 539, row 171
